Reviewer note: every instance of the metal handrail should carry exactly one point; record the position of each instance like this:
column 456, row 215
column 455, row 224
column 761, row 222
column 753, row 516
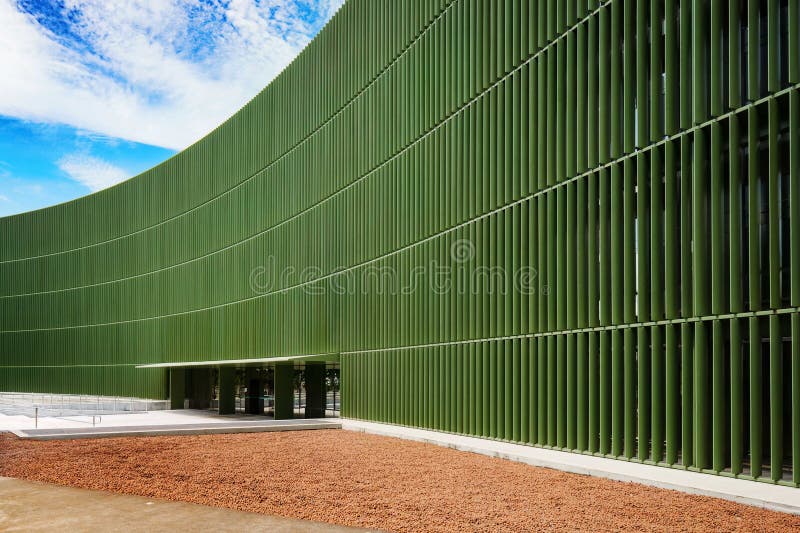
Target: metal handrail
column 59, row 405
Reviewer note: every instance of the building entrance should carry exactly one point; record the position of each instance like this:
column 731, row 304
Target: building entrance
column 282, row 390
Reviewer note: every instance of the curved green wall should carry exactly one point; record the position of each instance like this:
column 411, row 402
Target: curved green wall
column 158, row 268
column 570, row 224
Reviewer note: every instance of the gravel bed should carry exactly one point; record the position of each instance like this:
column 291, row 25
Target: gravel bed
column 370, row 481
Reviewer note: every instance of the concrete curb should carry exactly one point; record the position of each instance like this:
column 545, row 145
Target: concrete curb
column 773, row 497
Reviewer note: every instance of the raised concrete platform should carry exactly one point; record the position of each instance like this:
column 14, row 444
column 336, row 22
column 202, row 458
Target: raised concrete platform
column 32, row 506
column 179, row 422
column 87, row 419
column 774, row 497
column 29, row 404
column 244, row 425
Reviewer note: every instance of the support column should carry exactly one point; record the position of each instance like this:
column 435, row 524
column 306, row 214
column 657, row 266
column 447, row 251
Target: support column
column 199, row 387
column 254, row 403
column 284, row 391
column 227, row 390
column 177, row 388
column 315, row 390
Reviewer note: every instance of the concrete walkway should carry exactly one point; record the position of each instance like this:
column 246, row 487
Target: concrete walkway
column 181, row 422
column 774, row 497
column 237, row 426
column 31, row 506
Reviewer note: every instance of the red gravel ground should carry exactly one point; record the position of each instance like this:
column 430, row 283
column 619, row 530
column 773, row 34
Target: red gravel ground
column 370, row 481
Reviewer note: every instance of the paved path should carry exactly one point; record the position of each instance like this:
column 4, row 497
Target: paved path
column 181, row 416
column 30, row 506
column 178, row 422
column 775, row 497
column 244, row 425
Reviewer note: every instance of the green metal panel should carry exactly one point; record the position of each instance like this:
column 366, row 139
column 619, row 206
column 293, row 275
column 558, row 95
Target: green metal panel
column 605, row 393
column 795, row 384
column 661, row 318
column 571, row 414
column 776, row 399
column 594, row 394
column 524, row 379
column 630, row 393
column 753, row 48
column 643, row 392
column 687, row 395
column 734, row 55
column 552, row 391
column 737, row 399
column 794, row 191
column 715, row 57
column 582, row 392
column 719, row 402
column 673, row 386
column 541, row 389
column 658, row 398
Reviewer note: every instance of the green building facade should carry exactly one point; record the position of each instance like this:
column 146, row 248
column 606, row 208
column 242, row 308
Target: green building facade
column 572, row 224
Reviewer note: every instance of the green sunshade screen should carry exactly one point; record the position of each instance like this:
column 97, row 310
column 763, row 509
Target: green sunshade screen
column 639, row 161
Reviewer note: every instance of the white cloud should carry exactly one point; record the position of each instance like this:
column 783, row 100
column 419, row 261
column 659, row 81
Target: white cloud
column 161, row 72
column 4, row 198
column 91, row 171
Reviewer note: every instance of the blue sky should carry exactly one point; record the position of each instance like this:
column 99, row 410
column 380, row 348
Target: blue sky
column 95, row 91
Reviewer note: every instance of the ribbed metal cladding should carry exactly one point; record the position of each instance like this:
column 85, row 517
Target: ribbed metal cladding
column 642, row 157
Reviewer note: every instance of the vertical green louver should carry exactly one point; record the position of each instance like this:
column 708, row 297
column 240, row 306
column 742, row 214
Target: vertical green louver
column 607, row 193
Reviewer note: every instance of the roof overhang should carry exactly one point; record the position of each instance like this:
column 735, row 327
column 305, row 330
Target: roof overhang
column 327, row 358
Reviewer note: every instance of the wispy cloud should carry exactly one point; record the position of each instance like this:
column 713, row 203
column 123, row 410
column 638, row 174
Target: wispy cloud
column 32, row 155
column 92, row 172
column 159, row 72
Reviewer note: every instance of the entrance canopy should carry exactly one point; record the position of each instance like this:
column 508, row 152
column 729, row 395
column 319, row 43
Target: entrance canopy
column 194, row 381
column 327, row 358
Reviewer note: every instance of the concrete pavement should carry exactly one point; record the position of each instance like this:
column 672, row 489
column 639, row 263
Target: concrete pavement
column 30, row 506
column 179, row 422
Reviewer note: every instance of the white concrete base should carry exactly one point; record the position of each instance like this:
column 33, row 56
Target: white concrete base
column 774, row 497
